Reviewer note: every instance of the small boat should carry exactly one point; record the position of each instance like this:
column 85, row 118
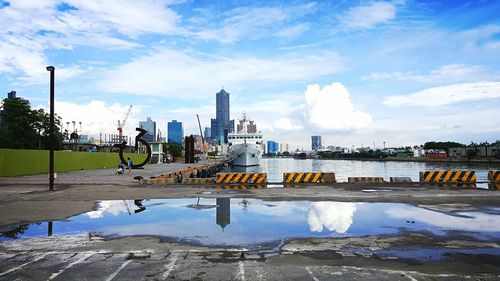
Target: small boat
column 300, row 155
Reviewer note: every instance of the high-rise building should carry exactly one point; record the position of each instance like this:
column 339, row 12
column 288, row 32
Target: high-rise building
column 316, row 143
column 175, row 132
column 208, row 133
column 283, row 147
column 11, row 95
column 273, row 147
column 150, row 127
column 221, row 125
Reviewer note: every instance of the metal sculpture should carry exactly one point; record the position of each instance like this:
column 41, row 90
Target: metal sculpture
column 138, row 139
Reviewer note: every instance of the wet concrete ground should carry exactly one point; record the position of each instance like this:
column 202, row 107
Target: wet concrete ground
column 89, row 257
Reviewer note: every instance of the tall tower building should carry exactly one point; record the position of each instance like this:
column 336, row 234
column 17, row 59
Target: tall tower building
column 150, row 126
column 221, row 125
column 316, row 143
column 175, row 132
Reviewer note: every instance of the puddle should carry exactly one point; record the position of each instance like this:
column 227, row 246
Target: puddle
column 234, row 222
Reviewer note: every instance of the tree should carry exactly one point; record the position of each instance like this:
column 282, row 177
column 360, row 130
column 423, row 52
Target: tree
column 471, row 153
column 173, row 148
column 22, row 127
column 442, row 145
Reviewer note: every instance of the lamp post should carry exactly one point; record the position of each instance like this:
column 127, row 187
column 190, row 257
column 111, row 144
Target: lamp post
column 51, row 69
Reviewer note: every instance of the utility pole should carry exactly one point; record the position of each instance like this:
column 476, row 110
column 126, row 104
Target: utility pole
column 51, row 69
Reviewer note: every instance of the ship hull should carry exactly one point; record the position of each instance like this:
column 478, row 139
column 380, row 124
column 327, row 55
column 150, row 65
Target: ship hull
column 245, row 155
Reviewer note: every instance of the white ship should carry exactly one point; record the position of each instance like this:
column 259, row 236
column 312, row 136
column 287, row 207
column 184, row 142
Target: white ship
column 245, row 146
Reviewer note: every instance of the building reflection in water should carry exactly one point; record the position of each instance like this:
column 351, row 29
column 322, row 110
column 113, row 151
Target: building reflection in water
column 49, row 229
column 223, row 212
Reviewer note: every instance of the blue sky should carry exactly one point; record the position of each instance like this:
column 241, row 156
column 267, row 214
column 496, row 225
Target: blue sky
column 355, row 72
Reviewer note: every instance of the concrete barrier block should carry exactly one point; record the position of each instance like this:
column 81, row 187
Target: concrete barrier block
column 241, row 178
column 401, row 180
column 329, row 178
column 303, row 177
column 494, row 176
column 447, row 176
column 365, row 180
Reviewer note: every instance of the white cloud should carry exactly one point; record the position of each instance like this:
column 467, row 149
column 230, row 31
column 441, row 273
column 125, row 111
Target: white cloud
column 98, row 117
column 444, row 95
column 114, row 207
column 446, row 73
column 368, row 16
column 335, row 216
column 253, row 23
column 286, row 124
column 330, row 108
column 31, row 27
column 168, row 72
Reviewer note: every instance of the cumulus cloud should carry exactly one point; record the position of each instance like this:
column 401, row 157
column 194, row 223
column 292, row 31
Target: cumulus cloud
column 335, row 216
column 286, row 124
column 446, row 73
column 167, row 72
column 449, row 94
column 330, row 108
column 113, row 207
column 97, row 116
column 368, row 16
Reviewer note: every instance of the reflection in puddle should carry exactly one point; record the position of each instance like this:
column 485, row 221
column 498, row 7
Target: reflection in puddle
column 251, row 222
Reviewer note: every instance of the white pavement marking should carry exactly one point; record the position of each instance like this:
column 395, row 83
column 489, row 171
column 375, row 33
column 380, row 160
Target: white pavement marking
column 170, row 265
column 241, row 270
column 259, row 272
column 24, row 264
column 312, row 275
column 113, row 275
column 84, row 257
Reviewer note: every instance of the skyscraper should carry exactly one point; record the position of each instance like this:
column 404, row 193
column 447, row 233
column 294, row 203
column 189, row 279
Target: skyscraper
column 221, row 125
column 272, row 147
column 207, row 133
column 150, row 126
column 175, row 132
column 316, row 142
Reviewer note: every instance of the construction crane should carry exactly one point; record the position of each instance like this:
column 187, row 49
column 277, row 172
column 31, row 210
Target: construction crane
column 122, row 124
column 201, row 133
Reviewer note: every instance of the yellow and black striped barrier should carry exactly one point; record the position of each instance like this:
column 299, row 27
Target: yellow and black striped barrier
column 494, row 185
column 494, row 176
column 241, row 187
column 447, row 176
column 308, row 177
column 365, row 179
column 241, row 178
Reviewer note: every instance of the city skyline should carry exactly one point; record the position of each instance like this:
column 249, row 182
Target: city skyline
column 402, row 72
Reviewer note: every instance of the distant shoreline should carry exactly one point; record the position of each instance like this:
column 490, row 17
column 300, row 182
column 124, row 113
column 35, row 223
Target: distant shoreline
column 409, row 159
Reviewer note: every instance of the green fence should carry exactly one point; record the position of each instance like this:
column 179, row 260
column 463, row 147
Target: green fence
column 20, row 162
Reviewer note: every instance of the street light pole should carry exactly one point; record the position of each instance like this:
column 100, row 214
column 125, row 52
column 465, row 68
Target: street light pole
column 51, row 69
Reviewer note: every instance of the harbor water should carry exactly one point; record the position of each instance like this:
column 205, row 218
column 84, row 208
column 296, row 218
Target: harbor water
column 275, row 167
